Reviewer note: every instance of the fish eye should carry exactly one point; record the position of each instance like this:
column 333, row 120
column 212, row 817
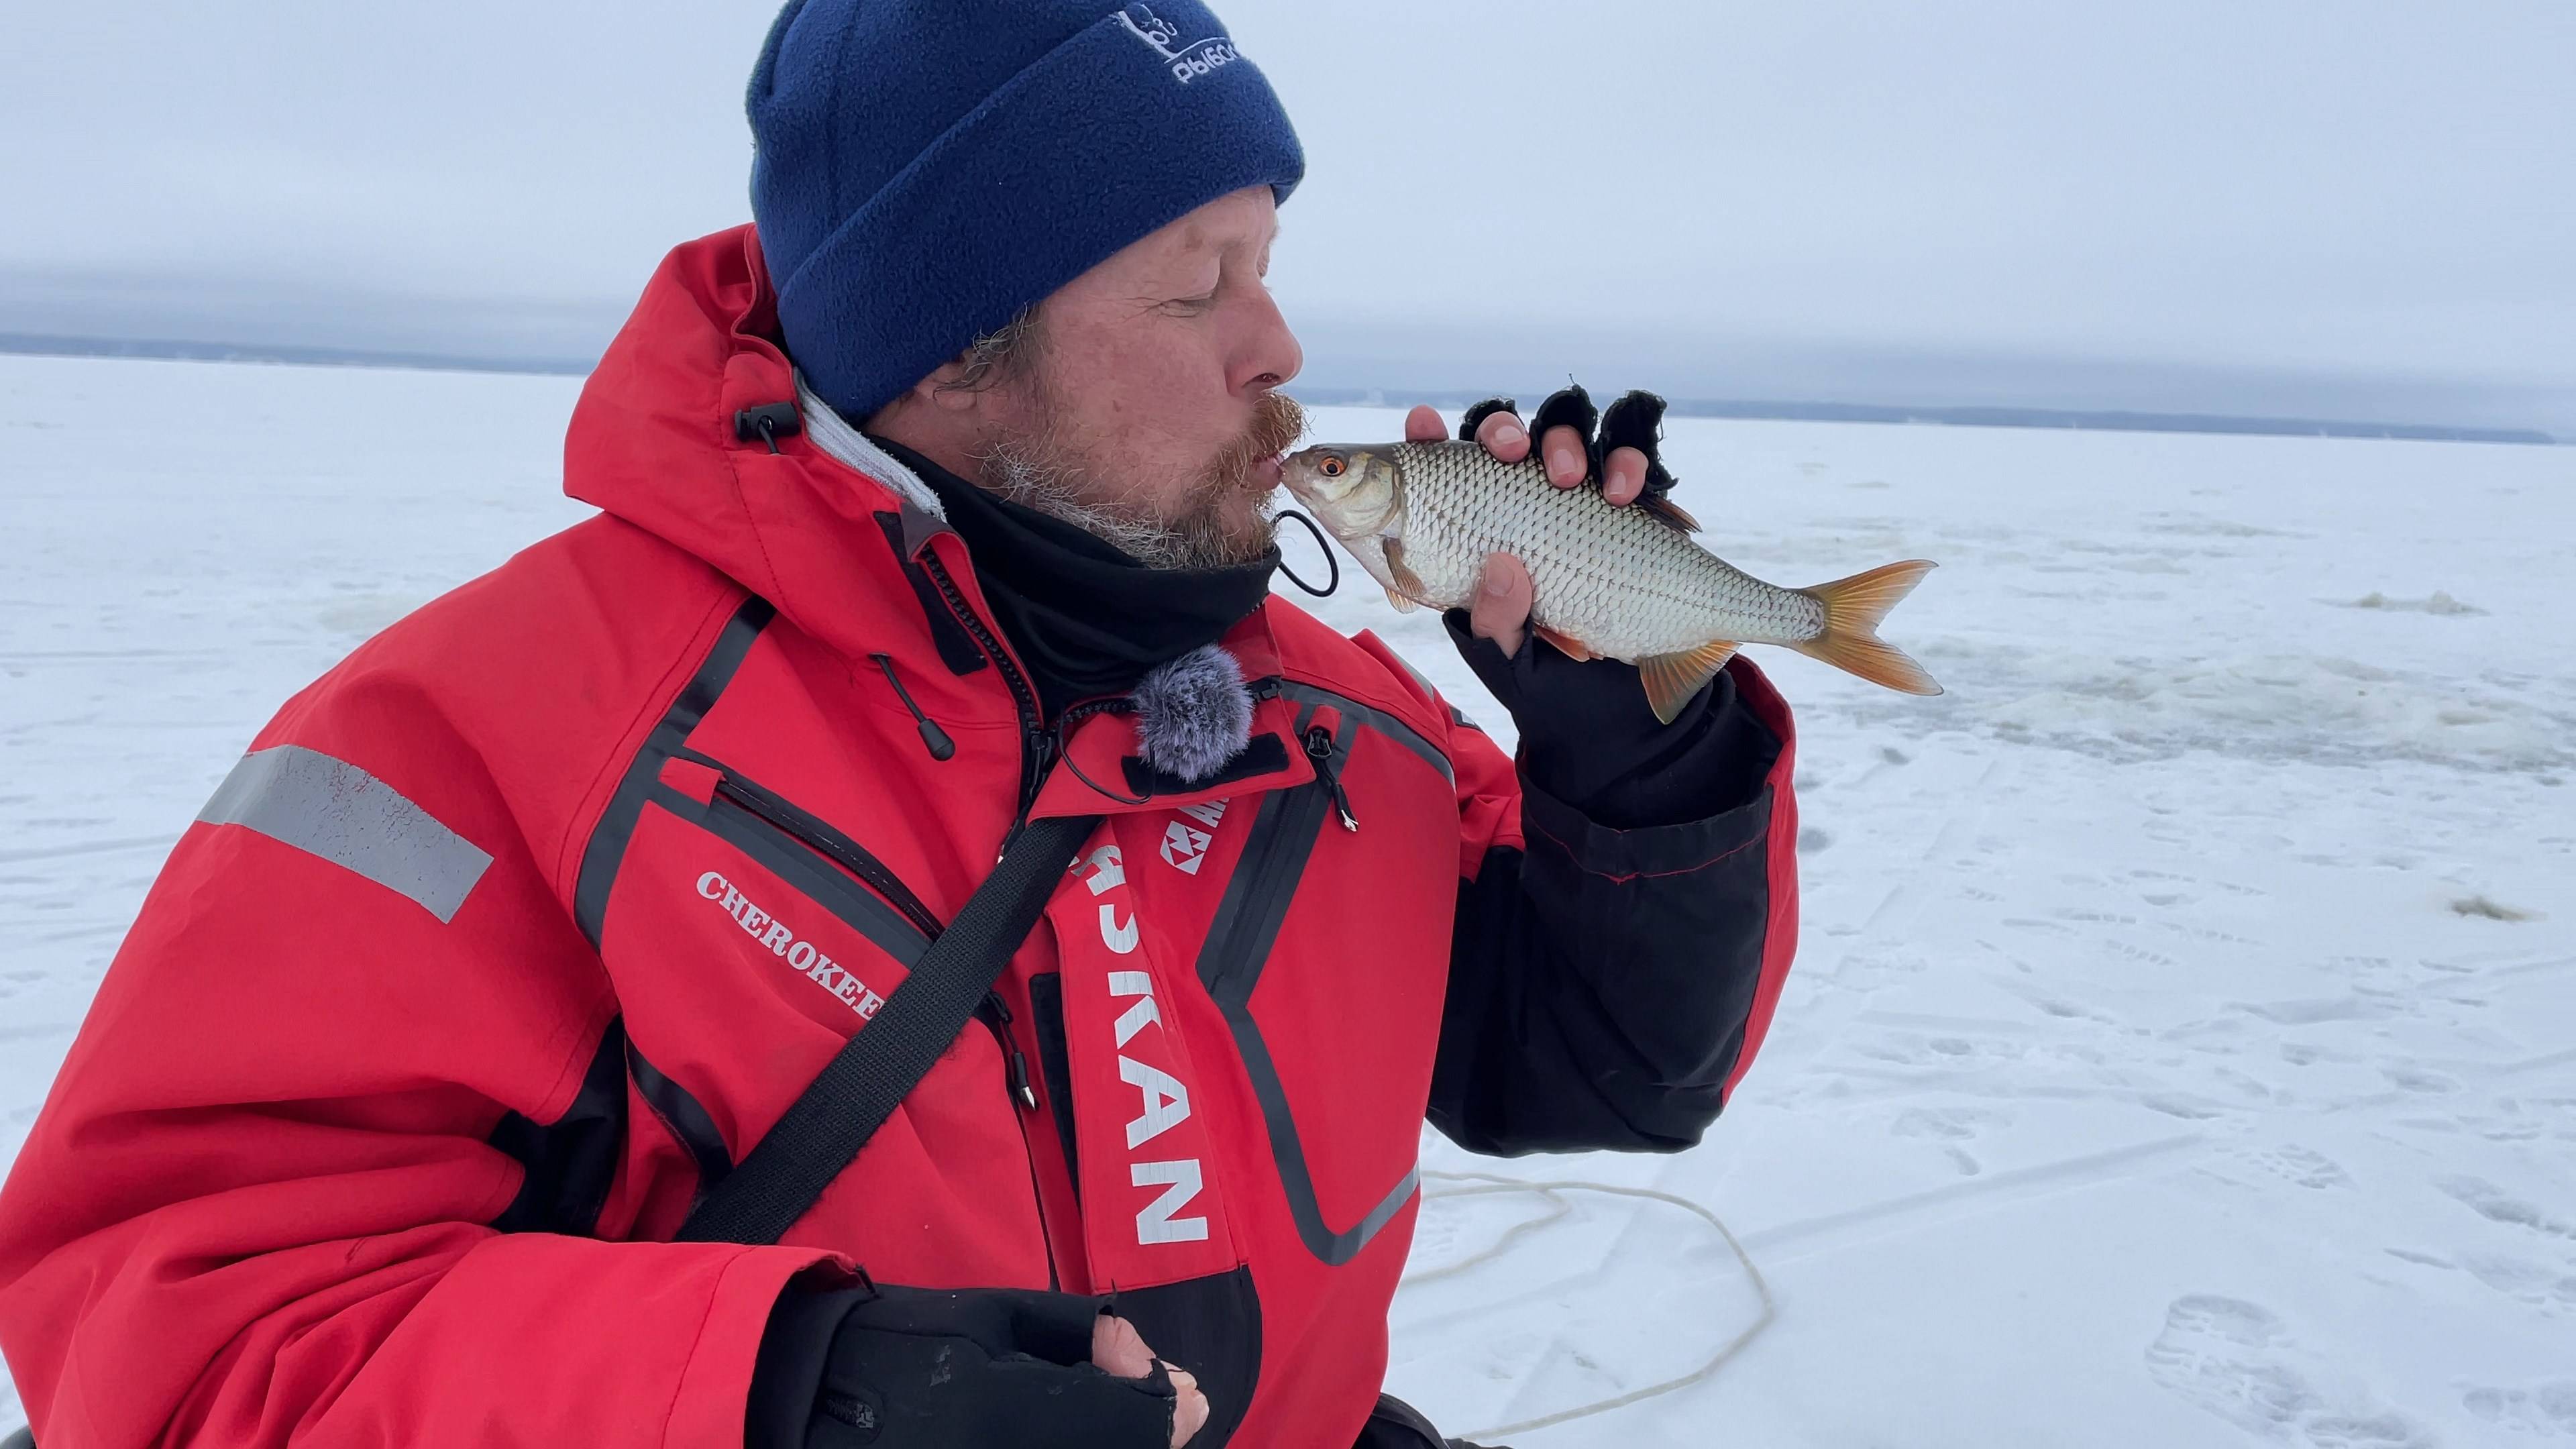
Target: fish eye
column 1331, row 467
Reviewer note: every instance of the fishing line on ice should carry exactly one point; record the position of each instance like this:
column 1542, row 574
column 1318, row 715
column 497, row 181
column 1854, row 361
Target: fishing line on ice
column 1486, row 1184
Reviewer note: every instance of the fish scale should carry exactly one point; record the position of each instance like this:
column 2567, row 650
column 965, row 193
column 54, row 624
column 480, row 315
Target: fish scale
column 1626, row 584
column 1621, row 582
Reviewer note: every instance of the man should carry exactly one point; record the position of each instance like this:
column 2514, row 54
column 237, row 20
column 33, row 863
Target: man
column 933, row 508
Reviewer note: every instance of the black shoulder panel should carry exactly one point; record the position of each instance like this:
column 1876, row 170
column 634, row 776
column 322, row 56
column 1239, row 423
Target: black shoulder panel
column 607, row 848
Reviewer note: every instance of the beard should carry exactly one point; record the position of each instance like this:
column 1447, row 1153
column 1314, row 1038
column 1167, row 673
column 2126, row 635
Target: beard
column 1213, row 517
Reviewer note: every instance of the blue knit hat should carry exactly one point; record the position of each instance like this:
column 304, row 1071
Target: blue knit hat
column 927, row 168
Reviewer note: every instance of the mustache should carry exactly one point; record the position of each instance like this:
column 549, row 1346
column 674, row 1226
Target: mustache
column 1278, row 421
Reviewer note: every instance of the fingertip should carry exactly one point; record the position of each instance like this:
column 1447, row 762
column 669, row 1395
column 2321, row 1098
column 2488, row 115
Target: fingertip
column 1423, row 425
column 1624, row 476
column 1504, row 437
column 1118, row 1349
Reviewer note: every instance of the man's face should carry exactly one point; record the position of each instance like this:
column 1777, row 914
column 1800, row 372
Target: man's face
column 1146, row 409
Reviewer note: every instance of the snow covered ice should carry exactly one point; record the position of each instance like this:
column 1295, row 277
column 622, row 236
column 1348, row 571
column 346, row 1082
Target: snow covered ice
column 2181, row 1050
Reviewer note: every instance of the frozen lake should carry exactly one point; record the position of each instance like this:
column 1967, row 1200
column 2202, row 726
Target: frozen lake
column 2181, row 1051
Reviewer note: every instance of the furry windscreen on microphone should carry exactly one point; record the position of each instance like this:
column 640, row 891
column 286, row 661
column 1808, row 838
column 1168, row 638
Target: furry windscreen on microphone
column 1193, row 714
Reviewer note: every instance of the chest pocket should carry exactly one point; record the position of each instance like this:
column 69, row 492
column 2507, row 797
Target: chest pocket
column 1327, row 959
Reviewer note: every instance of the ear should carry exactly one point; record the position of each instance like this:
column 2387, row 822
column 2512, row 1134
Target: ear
column 940, row 388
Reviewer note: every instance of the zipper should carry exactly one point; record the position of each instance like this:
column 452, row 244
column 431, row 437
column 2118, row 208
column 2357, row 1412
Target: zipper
column 838, row 848
column 832, row 845
column 1319, row 748
column 997, row 1018
column 1037, row 760
column 994, row 1014
column 1046, row 1023
column 1037, row 746
column 1288, row 823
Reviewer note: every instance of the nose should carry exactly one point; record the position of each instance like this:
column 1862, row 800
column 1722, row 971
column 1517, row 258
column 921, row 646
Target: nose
column 1270, row 355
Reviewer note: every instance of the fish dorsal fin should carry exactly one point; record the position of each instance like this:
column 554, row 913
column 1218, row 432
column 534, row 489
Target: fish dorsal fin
column 1407, row 589
column 1566, row 644
column 1671, row 679
column 1662, row 509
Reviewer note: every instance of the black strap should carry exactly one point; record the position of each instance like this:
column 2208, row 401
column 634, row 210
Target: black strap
column 872, row 1073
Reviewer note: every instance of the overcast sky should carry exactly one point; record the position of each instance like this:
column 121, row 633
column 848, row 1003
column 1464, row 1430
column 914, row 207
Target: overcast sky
column 2321, row 208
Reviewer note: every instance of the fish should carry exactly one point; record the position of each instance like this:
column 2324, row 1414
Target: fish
column 1607, row 581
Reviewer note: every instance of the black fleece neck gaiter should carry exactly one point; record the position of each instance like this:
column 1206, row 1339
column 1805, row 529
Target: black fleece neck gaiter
column 1086, row 619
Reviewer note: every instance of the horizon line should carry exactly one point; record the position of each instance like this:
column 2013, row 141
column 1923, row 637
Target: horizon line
column 28, row 344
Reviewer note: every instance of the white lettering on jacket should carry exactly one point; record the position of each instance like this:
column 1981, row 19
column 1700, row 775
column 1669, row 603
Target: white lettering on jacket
column 1164, row 1103
column 780, row 940
column 1108, row 872
column 1156, row 1223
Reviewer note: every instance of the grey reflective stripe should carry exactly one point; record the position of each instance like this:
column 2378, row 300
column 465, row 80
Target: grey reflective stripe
column 335, row 810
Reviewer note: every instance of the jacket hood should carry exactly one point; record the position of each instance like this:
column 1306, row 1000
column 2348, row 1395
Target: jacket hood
column 658, row 440
column 665, row 438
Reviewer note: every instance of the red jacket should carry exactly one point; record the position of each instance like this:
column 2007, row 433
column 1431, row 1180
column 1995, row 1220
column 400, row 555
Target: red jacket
column 531, row 916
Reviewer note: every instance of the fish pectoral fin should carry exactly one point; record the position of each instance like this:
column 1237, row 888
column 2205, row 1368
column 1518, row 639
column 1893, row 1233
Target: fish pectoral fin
column 1407, row 589
column 1402, row 604
column 1671, row 679
column 1566, row 644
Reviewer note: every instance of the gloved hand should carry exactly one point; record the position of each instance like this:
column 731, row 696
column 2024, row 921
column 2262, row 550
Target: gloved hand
column 1588, row 736
column 1623, row 458
column 911, row 1368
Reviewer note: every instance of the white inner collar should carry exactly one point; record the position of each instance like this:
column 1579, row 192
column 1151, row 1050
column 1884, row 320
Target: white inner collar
column 847, row 445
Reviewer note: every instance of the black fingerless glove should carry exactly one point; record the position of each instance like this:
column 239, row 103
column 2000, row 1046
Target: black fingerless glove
column 1589, row 739
column 1636, row 421
column 1588, row 736
column 913, row 1368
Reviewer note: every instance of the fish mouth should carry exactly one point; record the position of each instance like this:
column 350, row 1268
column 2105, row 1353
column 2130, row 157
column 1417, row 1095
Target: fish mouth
column 1296, row 473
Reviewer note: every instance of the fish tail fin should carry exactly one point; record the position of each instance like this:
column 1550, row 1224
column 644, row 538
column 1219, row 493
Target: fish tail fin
column 1853, row 609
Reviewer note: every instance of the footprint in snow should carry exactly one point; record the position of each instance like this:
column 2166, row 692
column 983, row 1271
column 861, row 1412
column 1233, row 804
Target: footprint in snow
column 2546, row 1410
column 1951, row 1128
column 2217, row 1354
column 2440, row 603
column 2495, row 1205
column 2299, row 1166
column 2538, row 1284
column 2233, row 1359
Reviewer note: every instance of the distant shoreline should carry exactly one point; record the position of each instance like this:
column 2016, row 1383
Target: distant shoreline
column 2087, row 419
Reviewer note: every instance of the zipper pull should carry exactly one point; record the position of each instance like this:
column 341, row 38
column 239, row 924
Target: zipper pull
column 1023, row 1090
column 1020, row 1087
column 1319, row 748
column 933, row 738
